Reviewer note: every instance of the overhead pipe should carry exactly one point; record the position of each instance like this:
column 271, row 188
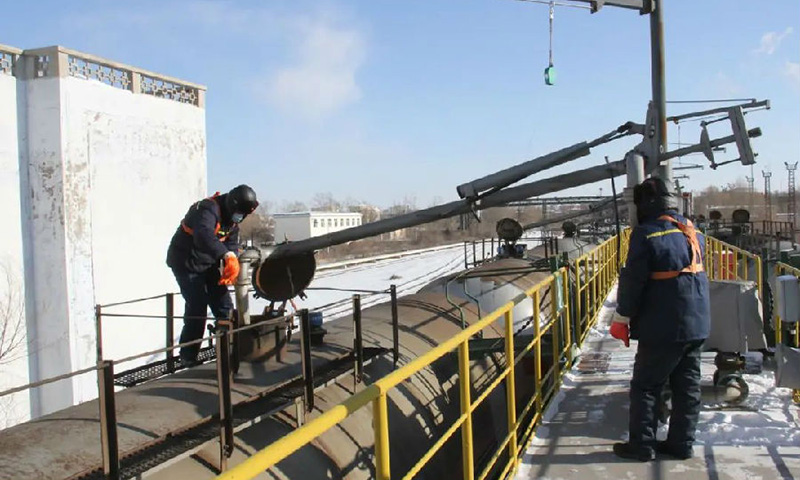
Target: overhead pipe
column 452, row 209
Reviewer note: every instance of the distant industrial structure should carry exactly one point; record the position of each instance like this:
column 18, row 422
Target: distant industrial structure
column 301, row 225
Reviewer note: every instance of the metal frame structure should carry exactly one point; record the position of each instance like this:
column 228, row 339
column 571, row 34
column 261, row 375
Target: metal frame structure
column 577, row 200
column 792, row 167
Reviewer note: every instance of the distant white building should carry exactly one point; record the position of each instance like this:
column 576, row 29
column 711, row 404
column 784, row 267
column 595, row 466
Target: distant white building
column 302, row 225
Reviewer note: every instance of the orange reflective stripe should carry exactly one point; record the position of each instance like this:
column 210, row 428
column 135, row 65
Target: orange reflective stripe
column 664, row 275
column 696, row 265
column 187, row 229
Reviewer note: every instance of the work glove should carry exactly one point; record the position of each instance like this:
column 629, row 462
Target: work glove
column 228, row 269
column 619, row 328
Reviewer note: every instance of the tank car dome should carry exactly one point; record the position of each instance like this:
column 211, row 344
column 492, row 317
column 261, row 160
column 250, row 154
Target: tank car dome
column 740, row 216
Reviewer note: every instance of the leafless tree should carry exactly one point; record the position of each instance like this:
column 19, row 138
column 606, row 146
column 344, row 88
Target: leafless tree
column 12, row 315
column 325, row 202
column 290, row 207
column 257, row 227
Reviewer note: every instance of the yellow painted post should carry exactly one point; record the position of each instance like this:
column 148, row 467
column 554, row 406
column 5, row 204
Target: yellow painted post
column 759, row 280
column 593, row 256
column 587, row 292
column 746, row 260
column 604, row 254
column 511, row 395
column 604, row 275
column 596, row 283
column 578, row 329
column 380, row 412
column 468, row 464
column 567, row 320
column 554, row 325
column 712, row 259
column 537, row 357
column 736, row 265
column 719, row 261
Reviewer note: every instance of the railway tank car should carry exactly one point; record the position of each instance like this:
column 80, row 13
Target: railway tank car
column 424, row 407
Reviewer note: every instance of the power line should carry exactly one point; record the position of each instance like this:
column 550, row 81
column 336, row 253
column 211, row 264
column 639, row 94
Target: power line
column 718, row 100
column 558, row 4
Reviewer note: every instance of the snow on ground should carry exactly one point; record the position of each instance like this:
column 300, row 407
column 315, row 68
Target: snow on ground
column 767, row 421
column 332, row 289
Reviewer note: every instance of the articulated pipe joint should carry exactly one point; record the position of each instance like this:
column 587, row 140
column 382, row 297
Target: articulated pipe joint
column 282, row 278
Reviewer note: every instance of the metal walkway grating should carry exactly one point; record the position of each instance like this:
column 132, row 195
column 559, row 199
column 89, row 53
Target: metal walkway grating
column 140, row 461
column 151, row 371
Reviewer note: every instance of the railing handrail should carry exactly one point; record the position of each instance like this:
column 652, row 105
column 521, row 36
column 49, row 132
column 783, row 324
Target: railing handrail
column 134, row 357
column 295, row 440
column 135, row 300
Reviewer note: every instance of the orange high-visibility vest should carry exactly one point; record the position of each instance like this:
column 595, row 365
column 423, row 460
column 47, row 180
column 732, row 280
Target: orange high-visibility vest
column 696, row 266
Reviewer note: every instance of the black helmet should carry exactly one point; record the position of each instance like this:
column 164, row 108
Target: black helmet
column 652, row 197
column 241, row 199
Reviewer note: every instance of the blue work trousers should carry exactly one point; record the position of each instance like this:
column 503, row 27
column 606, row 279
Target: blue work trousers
column 678, row 363
column 200, row 291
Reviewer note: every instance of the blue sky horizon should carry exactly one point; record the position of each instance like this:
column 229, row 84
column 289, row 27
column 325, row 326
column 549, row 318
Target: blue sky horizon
column 391, row 101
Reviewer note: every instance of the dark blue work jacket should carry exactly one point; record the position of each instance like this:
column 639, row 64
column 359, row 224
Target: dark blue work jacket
column 203, row 237
column 663, row 310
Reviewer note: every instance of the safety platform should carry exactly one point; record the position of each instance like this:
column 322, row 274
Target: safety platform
column 155, row 426
column 590, row 414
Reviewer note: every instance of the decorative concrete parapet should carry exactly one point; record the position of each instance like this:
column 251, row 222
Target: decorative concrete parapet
column 8, row 58
column 62, row 62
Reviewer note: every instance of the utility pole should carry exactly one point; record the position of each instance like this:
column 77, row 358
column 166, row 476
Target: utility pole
column 767, row 200
column 664, row 171
column 751, row 180
column 792, row 206
column 655, row 8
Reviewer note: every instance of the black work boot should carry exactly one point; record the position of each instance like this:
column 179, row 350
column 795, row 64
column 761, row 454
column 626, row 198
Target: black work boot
column 634, row 452
column 675, row 451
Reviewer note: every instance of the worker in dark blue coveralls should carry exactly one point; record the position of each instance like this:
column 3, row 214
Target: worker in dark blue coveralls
column 203, row 255
column 662, row 301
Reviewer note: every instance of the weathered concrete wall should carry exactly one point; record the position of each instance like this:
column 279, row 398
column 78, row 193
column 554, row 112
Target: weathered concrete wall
column 45, row 236
column 13, row 345
column 136, row 164
column 110, row 174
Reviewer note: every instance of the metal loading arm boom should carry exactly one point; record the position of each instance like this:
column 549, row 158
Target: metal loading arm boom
column 458, row 207
column 496, row 181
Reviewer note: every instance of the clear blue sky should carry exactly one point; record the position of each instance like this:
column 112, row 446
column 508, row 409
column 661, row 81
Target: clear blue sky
column 381, row 100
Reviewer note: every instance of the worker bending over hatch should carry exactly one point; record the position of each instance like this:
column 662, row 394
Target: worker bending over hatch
column 203, row 256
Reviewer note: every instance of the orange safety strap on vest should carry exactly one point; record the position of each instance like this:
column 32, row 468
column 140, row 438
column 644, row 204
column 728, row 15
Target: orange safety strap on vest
column 190, row 231
column 690, row 233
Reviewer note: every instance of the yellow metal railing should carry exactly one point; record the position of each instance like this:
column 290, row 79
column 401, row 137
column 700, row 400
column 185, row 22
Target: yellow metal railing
column 595, row 274
column 599, row 269
column 728, row 262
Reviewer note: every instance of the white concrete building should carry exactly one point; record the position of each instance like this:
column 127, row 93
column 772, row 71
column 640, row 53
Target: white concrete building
column 302, row 225
column 98, row 163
